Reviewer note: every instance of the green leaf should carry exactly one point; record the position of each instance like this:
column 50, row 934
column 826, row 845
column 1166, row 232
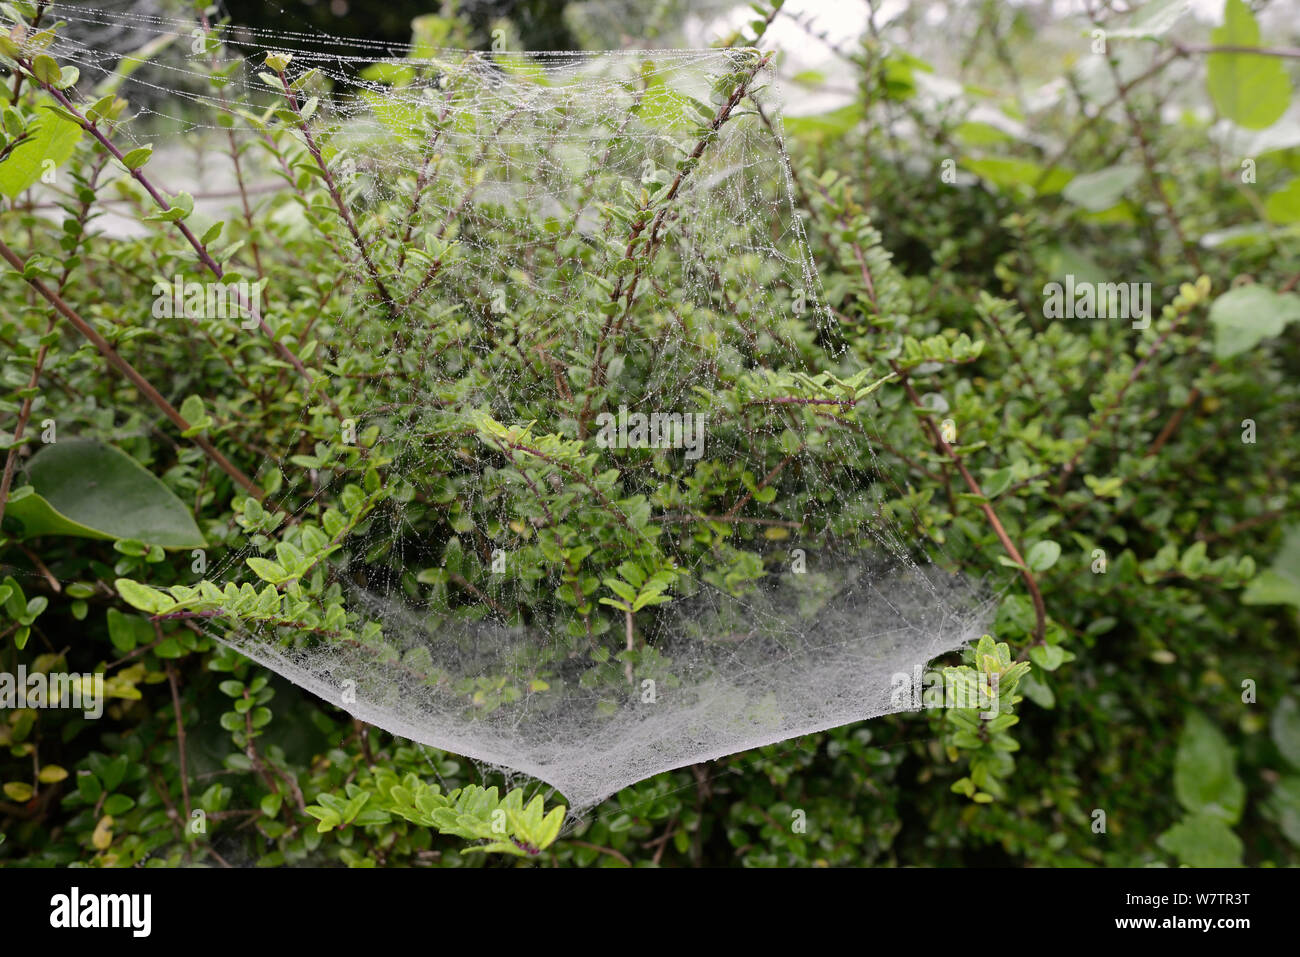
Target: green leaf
column 19, row 791
column 1245, row 316
column 1284, row 205
column 996, row 483
column 143, row 597
column 1283, row 807
column 328, row 819
column 137, row 157
column 89, row 787
column 118, row 804
column 192, row 408
column 51, row 138
column 633, row 573
column 1279, row 584
column 621, row 588
column 173, row 214
column 101, row 107
column 15, row 602
column 1285, row 728
column 34, row 608
column 497, row 847
column 46, row 69
column 1202, row 840
column 546, row 832
column 1205, row 778
column 1251, row 90
column 111, row 772
column 127, row 631
column 817, row 128
column 195, row 413
column 267, row 570
column 1104, row 487
column 86, row 489
column 1102, row 189
column 1038, row 692
column 1047, row 657
column 1043, row 555
column 1009, row 172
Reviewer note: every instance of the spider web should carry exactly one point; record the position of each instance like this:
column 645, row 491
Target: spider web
column 547, row 246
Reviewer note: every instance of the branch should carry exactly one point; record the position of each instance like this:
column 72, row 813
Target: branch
column 1186, row 49
column 342, row 207
column 654, row 240
column 1040, row 608
column 128, row 370
column 1035, row 594
column 200, row 249
column 180, row 731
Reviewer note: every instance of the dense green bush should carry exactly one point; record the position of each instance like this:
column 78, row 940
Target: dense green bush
column 1121, row 485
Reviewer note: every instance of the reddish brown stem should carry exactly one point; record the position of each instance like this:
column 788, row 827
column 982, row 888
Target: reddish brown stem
column 201, row 250
column 128, row 370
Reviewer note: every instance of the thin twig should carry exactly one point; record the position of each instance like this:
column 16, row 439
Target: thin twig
column 180, row 732
column 128, row 370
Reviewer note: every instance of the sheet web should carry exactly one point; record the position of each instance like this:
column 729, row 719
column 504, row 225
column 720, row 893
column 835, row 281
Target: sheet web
column 576, row 315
